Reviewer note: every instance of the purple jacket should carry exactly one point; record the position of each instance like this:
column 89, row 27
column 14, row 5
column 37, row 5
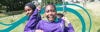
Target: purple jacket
column 56, row 26
column 30, row 25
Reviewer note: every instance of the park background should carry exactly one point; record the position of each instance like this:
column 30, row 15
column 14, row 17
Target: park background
column 13, row 10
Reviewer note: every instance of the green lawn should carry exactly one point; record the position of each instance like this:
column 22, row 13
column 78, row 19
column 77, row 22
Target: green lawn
column 11, row 13
column 75, row 21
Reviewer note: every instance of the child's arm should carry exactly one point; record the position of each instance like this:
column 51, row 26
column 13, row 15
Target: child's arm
column 34, row 30
column 30, row 31
column 39, row 30
column 66, row 20
column 31, row 22
column 70, row 29
column 39, row 8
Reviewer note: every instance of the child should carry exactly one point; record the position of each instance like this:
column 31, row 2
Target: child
column 32, row 12
column 59, row 15
column 53, row 24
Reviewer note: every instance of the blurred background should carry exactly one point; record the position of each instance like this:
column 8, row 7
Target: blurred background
column 13, row 10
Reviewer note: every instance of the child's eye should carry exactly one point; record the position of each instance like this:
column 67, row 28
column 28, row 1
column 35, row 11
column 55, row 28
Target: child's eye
column 29, row 9
column 53, row 10
column 47, row 11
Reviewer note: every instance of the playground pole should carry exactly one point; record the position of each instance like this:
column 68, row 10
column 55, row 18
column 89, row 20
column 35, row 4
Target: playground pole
column 63, row 8
column 36, row 2
column 46, row 2
column 12, row 8
column 54, row 1
column 41, row 3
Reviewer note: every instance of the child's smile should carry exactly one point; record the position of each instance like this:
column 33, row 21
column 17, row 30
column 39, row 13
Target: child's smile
column 51, row 17
column 28, row 10
column 50, row 13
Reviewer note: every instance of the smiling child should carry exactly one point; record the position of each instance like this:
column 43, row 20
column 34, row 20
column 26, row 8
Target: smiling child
column 32, row 12
column 53, row 24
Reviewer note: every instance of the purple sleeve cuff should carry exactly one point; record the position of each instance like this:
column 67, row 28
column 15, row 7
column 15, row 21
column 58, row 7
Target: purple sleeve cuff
column 30, row 31
column 69, row 24
column 70, row 27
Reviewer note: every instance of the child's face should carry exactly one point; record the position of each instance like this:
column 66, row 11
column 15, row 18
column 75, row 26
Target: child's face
column 50, row 13
column 28, row 11
column 59, row 17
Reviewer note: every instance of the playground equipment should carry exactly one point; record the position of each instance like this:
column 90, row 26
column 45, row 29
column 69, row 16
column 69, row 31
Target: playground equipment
column 15, row 24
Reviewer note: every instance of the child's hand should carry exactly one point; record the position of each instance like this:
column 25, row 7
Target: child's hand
column 66, row 20
column 39, row 31
column 39, row 8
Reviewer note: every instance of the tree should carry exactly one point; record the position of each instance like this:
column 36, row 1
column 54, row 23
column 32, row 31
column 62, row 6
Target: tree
column 14, row 4
column 52, row 1
column 91, row 0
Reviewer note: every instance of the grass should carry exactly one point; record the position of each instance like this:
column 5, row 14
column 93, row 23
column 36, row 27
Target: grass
column 10, row 13
column 12, row 20
column 75, row 21
column 3, row 15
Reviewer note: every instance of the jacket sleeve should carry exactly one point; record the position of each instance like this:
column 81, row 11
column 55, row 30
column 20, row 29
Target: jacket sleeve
column 69, row 29
column 31, row 23
column 30, row 31
column 38, row 26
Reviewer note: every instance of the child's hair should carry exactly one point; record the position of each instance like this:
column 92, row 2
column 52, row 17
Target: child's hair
column 31, row 5
column 50, row 4
column 59, row 15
